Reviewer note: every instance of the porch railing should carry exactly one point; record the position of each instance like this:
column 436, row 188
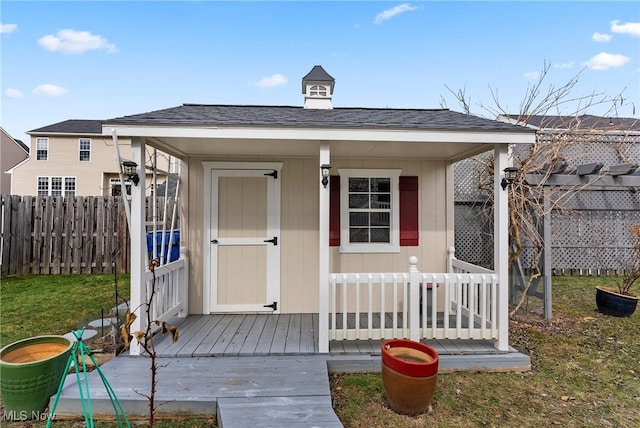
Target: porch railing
column 460, row 304
column 170, row 298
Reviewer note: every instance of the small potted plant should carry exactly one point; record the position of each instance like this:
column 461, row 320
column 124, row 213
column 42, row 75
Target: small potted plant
column 623, row 301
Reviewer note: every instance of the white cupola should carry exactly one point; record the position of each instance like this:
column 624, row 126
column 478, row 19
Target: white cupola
column 317, row 87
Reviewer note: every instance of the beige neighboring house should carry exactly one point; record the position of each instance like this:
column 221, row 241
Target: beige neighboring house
column 12, row 153
column 71, row 158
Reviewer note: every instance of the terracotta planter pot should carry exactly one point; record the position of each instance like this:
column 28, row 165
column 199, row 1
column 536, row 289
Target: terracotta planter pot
column 610, row 302
column 409, row 375
column 30, row 372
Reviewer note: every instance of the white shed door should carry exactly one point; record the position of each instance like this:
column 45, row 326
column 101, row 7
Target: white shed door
column 245, row 230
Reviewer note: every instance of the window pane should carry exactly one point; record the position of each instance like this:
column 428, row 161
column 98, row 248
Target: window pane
column 70, row 186
column 381, row 185
column 42, row 148
column 358, row 219
column 43, row 186
column 380, row 235
column 381, row 201
column 85, row 150
column 358, row 234
column 380, row 219
column 358, row 201
column 358, row 185
column 56, row 186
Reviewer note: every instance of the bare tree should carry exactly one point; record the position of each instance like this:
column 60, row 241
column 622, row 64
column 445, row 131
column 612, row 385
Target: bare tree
column 552, row 151
column 145, row 340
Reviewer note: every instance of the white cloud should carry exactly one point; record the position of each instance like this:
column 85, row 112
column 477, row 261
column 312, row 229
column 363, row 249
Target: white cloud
column 8, row 28
column 564, row 65
column 531, row 75
column 599, row 37
column 49, row 90
column 271, row 81
column 394, row 11
column 13, row 93
column 631, row 28
column 605, row 61
column 75, row 42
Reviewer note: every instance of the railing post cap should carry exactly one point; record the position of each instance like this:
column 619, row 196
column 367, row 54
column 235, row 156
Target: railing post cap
column 413, row 261
column 452, row 250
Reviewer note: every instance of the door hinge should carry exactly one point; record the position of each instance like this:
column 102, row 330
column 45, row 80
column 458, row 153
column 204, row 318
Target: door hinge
column 273, row 306
column 274, row 241
column 273, row 174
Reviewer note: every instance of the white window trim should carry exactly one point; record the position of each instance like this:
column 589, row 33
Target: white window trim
column 394, row 245
column 80, row 149
column 64, row 179
column 45, row 139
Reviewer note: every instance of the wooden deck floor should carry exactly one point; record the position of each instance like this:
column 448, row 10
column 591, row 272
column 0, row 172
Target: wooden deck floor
column 283, row 334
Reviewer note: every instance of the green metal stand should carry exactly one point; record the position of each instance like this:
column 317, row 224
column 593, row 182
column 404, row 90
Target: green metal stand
column 78, row 353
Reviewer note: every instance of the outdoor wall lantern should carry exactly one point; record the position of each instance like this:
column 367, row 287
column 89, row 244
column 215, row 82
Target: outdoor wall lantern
column 325, row 168
column 509, row 176
column 129, row 169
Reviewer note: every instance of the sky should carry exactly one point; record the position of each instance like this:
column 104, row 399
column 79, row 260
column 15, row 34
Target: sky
column 64, row 60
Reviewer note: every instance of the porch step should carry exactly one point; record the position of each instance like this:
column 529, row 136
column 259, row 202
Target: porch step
column 261, row 412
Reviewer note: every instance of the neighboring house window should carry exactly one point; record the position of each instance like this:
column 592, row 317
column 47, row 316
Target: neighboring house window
column 116, row 187
column 85, row 149
column 42, row 149
column 56, row 186
column 373, row 211
column 318, row 91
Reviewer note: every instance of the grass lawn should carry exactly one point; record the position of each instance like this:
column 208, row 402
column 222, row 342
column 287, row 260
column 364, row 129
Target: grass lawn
column 586, row 373
column 586, row 366
column 55, row 304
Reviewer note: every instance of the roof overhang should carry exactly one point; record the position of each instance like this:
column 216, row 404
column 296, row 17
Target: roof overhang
column 304, row 141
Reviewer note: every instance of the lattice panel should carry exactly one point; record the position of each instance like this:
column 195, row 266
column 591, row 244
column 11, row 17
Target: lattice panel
column 474, row 235
column 589, row 239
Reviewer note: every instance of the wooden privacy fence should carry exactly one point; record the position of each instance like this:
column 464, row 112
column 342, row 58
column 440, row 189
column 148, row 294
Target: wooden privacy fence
column 55, row 234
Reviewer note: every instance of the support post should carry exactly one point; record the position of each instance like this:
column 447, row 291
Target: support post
column 184, row 286
column 138, row 297
column 501, row 244
column 323, row 254
column 414, row 299
column 547, row 260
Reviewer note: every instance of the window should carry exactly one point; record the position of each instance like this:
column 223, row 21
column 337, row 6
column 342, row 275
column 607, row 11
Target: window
column 42, row 149
column 380, row 211
column 318, row 91
column 116, row 187
column 56, row 186
column 84, row 149
column 370, row 211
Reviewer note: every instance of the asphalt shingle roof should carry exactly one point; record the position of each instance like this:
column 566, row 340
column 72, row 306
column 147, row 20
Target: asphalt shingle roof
column 342, row 117
column 72, row 126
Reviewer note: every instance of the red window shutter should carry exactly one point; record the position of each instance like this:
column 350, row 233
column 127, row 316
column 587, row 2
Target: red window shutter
column 334, row 211
column 408, row 211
